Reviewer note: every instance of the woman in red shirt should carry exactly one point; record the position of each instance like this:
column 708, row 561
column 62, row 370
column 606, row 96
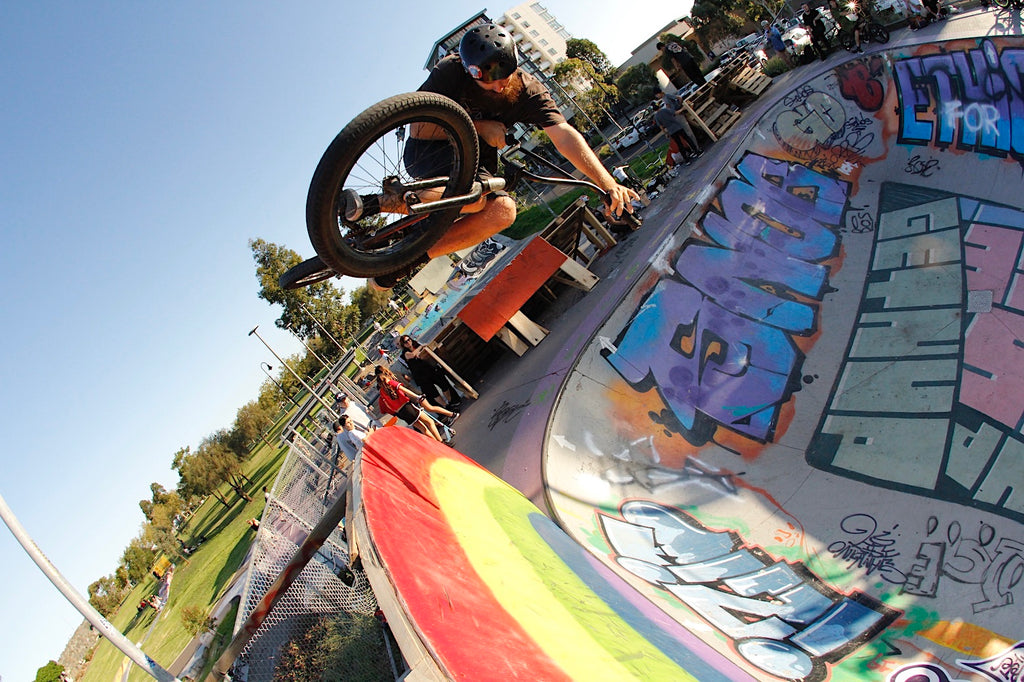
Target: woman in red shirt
column 395, row 399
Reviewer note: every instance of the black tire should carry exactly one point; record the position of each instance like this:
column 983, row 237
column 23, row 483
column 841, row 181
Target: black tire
column 877, row 33
column 1004, row 4
column 306, row 273
column 847, row 41
column 366, row 151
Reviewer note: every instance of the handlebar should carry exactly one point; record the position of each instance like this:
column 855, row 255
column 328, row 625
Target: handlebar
column 516, row 170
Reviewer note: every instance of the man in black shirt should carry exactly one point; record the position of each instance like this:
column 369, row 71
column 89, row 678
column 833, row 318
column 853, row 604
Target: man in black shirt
column 485, row 79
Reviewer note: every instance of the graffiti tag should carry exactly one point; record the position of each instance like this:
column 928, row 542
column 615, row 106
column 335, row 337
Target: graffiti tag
column 717, row 345
column 783, row 618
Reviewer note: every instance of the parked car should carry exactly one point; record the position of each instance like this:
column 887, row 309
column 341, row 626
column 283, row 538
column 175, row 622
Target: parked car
column 625, row 138
column 796, row 39
column 643, row 121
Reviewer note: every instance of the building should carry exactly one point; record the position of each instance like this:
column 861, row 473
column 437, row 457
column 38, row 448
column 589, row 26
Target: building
column 538, row 34
column 648, row 53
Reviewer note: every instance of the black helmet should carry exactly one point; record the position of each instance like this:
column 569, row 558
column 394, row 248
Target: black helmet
column 488, row 53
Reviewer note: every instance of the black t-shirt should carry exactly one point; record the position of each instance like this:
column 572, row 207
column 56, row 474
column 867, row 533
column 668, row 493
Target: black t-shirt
column 533, row 103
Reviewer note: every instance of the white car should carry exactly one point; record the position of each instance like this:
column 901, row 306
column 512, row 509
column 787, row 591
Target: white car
column 796, row 39
column 625, row 138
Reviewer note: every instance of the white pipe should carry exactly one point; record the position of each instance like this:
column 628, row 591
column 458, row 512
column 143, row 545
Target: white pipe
column 101, row 624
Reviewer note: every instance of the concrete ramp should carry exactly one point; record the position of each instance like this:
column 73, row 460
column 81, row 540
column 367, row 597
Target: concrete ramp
column 800, row 433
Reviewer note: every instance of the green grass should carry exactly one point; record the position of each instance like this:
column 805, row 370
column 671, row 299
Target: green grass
column 534, row 219
column 202, row 580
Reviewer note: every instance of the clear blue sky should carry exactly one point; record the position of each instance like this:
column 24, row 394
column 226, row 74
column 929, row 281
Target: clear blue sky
column 143, row 145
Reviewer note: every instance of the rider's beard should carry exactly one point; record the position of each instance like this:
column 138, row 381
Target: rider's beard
column 508, row 96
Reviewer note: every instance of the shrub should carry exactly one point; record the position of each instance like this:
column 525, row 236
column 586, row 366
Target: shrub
column 774, row 66
column 196, row 620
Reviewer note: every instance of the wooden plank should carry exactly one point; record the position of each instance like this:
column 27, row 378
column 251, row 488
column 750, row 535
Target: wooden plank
column 581, row 277
column 514, row 343
column 531, row 332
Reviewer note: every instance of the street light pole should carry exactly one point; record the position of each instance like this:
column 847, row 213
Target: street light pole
column 267, row 367
column 310, row 350
column 300, row 379
column 322, row 328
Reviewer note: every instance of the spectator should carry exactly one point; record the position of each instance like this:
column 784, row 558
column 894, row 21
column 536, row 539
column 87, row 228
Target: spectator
column 348, row 439
column 344, row 405
column 774, row 39
column 812, row 21
column 674, row 124
column 427, row 374
column 682, row 58
column 396, row 399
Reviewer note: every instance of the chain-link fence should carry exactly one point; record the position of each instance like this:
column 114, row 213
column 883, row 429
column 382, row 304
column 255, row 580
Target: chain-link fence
column 326, row 619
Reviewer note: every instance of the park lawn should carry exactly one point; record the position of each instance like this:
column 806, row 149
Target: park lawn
column 534, row 219
column 202, row 579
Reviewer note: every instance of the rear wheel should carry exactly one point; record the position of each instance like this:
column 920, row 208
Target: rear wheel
column 306, row 273
column 877, row 33
column 377, row 145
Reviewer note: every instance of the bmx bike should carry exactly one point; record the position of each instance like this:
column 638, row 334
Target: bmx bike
column 394, row 180
column 870, row 32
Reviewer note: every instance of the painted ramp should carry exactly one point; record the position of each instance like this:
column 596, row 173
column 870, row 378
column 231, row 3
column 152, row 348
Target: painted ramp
column 800, row 433
column 478, row 584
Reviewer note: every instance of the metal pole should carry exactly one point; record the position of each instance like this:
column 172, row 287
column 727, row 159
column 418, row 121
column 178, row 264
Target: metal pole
column 323, row 328
column 266, row 367
column 137, row 655
column 300, row 379
column 323, row 362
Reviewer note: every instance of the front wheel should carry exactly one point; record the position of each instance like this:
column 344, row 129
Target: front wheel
column 877, row 33
column 410, row 137
column 847, row 41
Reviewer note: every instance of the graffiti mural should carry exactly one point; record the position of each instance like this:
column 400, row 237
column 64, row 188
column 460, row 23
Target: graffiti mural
column 720, row 327
column 819, row 381
column 784, row 619
column 935, row 361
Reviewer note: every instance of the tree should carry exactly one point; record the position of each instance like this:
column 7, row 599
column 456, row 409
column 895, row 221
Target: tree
column 163, row 502
column 714, row 20
column 105, row 595
column 252, row 420
column 137, row 559
column 586, row 50
column 51, row 672
column 638, row 84
column 320, row 299
column 369, row 301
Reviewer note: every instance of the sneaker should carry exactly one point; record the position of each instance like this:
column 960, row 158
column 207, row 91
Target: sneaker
column 451, row 420
column 357, row 206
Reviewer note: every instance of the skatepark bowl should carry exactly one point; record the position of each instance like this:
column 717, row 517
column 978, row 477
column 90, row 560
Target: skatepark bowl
column 794, row 447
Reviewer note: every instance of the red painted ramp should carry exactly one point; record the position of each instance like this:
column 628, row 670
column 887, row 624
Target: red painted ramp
column 492, row 589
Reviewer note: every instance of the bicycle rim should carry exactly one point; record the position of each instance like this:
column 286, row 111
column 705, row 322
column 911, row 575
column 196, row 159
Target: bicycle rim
column 379, row 147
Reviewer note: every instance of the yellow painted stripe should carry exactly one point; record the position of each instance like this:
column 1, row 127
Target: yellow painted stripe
column 569, row 622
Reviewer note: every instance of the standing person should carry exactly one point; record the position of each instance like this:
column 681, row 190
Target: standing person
column 839, row 17
column 774, row 39
column 683, row 59
column 427, row 375
column 676, row 127
column 812, row 21
column 484, row 78
column 396, row 399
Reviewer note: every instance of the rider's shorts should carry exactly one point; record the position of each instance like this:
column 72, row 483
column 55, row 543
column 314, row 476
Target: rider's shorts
column 434, row 158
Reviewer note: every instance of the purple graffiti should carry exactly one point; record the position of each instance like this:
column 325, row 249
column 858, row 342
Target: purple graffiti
column 783, row 618
column 972, row 99
column 717, row 345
